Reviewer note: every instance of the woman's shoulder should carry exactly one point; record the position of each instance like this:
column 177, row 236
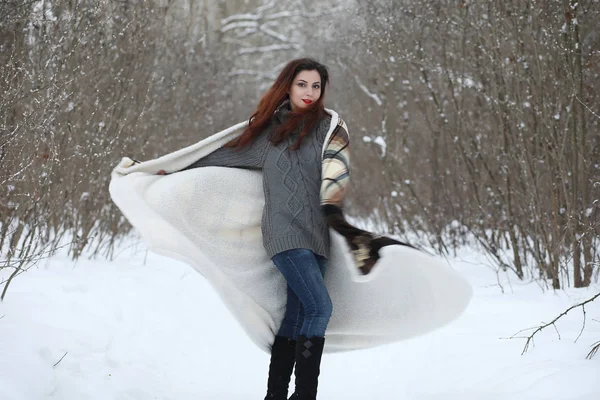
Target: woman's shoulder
column 325, row 122
column 323, row 126
column 328, row 120
column 327, row 117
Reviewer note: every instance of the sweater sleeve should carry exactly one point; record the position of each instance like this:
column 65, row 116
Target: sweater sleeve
column 249, row 157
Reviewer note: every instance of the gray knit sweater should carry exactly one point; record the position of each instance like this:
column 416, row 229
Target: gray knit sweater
column 292, row 216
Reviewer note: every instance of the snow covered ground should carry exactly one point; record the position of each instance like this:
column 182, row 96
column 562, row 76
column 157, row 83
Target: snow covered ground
column 146, row 327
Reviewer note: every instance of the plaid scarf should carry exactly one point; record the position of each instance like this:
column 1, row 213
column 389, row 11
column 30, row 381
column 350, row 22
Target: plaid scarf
column 335, row 176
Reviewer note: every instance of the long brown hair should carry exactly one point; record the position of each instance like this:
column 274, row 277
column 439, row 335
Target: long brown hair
column 308, row 117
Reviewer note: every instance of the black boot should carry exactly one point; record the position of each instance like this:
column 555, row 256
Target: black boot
column 280, row 368
column 308, row 363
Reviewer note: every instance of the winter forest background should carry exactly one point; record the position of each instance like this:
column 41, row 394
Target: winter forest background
column 471, row 122
column 475, row 129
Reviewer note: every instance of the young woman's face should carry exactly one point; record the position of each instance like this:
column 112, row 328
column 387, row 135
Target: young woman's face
column 305, row 89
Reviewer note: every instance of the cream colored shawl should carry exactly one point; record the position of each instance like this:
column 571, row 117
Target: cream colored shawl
column 210, row 218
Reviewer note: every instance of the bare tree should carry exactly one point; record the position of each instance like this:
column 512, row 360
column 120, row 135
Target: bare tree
column 487, row 125
column 470, row 120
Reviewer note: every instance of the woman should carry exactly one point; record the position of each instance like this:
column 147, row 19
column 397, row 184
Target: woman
column 303, row 154
column 285, row 139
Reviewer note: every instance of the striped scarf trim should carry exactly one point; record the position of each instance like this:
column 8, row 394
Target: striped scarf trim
column 335, row 177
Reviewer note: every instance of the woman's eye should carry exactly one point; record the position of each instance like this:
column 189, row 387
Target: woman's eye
column 317, row 87
column 301, row 84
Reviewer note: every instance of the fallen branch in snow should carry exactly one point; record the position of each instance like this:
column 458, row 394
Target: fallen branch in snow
column 540, row 328
column 592, row 352
column 60, row 359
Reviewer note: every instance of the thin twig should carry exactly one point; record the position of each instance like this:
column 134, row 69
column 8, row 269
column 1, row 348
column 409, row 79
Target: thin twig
column 592, row 352
column 583, row 325
column 589, row 109
column 60, row 359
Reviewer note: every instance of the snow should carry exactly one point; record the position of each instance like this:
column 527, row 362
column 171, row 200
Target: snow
column 146, row 327
column 381, row 142
column 265, row 49
column 239, row 24
column 372, row 95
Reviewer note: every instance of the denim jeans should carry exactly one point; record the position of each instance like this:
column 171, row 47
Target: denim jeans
column 308, row 307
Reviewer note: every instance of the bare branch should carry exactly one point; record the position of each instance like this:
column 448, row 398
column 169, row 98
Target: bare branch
column 586, row 106
column 60, row 359
column 552, row 323
column 592, row 352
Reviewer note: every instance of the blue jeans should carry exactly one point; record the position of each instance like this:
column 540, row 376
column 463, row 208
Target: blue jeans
column 308, row 307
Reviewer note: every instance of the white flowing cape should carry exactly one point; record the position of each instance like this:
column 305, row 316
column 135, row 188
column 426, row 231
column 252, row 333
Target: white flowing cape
column 210, row 218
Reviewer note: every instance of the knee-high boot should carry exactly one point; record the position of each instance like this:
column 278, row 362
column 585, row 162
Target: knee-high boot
column 308, row 367
column 280, row 368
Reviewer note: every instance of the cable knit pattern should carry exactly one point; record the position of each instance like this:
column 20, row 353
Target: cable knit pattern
column 292, row 217
column 284, row 167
